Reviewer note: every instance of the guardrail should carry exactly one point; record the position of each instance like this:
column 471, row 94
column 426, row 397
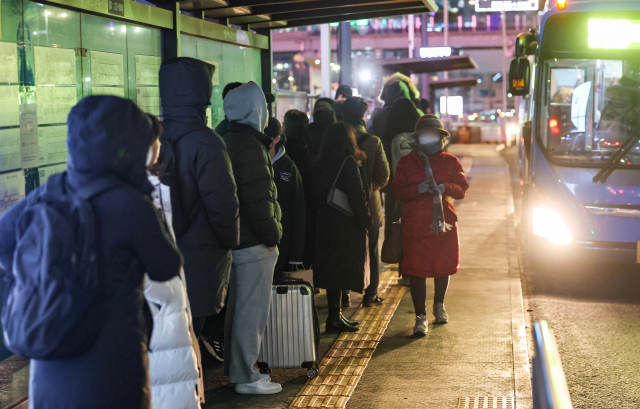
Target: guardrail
column 550, row 389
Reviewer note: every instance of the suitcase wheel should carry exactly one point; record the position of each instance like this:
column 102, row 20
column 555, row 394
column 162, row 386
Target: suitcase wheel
column 312, row 373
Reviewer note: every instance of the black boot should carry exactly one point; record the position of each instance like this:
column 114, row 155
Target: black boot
column 335, row 324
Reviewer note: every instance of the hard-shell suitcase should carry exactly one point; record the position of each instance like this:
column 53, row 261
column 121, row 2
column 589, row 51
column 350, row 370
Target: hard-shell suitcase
column 292, row 334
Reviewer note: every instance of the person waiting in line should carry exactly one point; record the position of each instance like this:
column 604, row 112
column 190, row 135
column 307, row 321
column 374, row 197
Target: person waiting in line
column 396, row 139
column 322, row 103
column 175, row 372
column 130, row 240
column 260, row 232
column 204, row 202
column 376, row 175
column 343, row 92
column 322, row 119
column 429, row 253
column 291, row 200
column 341, row 254
column 223, row 127
column 396, row 86
column 294, row 129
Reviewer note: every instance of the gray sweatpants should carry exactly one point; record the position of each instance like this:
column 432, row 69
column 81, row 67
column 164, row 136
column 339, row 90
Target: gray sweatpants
column 247, row 311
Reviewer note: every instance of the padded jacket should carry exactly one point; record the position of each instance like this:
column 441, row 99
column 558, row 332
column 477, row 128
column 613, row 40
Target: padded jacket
column 259, row 210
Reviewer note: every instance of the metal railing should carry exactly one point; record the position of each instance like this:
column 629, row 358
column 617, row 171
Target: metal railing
column 550, row 389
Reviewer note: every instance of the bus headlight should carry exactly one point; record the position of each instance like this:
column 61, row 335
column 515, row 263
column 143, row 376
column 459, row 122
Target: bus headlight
column 548, row 224
column 546, row 221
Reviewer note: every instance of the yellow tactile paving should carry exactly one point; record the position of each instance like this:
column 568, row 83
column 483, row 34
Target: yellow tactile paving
column 343, row 365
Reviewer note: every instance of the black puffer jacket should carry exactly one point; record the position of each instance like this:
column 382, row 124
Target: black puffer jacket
column 204, row 200
column 247, row 146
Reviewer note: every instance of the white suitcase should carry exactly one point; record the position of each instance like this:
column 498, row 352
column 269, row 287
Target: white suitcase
column 292, row 334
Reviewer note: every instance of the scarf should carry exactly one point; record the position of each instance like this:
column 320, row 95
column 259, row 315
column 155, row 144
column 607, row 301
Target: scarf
column 438, row 226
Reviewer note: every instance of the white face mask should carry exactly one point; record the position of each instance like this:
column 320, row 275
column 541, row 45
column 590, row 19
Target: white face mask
column 426, row 139
column 149, row 156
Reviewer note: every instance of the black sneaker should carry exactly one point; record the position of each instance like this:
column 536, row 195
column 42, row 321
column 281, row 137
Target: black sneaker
column 214, row 346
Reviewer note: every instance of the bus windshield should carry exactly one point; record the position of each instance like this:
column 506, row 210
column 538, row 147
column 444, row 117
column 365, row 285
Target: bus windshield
column 591, row 109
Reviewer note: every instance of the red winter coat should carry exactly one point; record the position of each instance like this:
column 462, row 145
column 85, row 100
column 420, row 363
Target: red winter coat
column 426, row 254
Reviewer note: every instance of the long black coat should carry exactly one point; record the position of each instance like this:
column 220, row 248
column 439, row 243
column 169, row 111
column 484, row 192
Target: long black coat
column 204, row 200
column 131, row 240
column 341, row 246
column 291, row 200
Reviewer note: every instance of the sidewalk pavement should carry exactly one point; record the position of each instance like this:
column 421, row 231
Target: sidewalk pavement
column 479, row 359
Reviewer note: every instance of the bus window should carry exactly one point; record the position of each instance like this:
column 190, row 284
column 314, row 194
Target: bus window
column 590, row 109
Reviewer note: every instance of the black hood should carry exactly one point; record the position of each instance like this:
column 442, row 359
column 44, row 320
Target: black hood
column 108, row 137
column 185, row 93
column 394, row 90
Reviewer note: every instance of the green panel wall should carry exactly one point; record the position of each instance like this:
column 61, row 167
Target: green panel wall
column 235, row 64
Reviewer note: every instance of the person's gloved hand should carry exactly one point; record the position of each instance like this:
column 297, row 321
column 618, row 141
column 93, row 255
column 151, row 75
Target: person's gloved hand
column 447, row 227
column 439, row 188
column 423, row 187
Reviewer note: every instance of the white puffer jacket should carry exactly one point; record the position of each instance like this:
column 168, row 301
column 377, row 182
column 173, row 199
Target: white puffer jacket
column 174, row 364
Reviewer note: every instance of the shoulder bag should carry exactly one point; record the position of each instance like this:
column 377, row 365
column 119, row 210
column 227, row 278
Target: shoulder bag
column 337, row 198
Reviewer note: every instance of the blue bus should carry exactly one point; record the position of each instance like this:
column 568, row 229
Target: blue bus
column 580, row 144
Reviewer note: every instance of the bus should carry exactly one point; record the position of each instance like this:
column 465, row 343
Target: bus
column 579, row 74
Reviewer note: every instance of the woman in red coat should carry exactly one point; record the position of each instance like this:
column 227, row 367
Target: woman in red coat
column 425, row 253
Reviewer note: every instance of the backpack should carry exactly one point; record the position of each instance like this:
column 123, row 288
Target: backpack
column 620, row 116
column 400, row 146
column 52, row 307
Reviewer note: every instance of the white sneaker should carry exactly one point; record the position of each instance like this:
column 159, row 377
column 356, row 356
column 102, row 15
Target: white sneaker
column 441, row 315
column 259, row 387
column 420, row 328
column 264, row 376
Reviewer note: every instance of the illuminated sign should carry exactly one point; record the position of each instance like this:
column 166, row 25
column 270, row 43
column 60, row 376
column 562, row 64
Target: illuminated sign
column 506, row 5
column 614, row 33
column 435, row 52
column 451, row 105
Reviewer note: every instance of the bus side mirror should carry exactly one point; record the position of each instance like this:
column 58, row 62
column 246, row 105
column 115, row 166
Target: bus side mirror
column 526, row 139
column 520, row 76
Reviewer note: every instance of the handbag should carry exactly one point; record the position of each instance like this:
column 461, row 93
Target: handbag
column 391, row 252
column 300, row 273
column 337, row 198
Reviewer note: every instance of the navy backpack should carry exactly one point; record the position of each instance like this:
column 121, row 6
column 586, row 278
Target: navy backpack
column 52, row 307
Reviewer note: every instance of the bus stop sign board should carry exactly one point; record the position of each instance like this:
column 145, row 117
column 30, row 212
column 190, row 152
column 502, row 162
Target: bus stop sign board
column 506, row 5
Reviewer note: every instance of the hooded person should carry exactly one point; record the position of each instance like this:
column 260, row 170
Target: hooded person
column 424, row 180
column 108, row 140
column 395, row 87
column 260, row 232
column 223, row 127
column 376, row 175
column 203, row 192
column 291, row 198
